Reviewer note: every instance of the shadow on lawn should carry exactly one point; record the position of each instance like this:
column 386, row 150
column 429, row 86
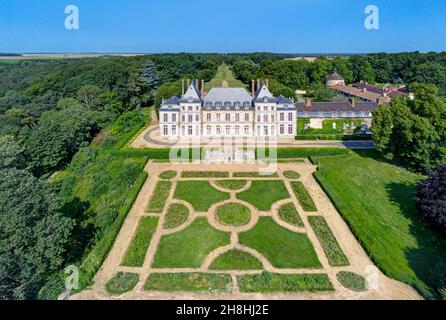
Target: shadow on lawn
column 428, row 259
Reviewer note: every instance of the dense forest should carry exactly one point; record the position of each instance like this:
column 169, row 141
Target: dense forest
column 64, row 185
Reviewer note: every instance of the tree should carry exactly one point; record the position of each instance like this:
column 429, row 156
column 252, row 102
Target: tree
column 34, row 234
column 149, row 75
column 167, row 91
column 319, row 70
column 431, row 73
column 245, row 70
column 413, row 130
column 11, row 153
column 431, row 199
column 278, row 89
column 319, row 92
column 88, row 94
column 362, row 70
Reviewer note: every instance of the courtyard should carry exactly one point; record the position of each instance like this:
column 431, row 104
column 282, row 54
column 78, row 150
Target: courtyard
column 227, row 232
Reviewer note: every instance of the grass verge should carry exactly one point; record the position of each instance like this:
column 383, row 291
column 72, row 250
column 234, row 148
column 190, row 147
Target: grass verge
column 271, row 191
column 204, row 174
column 200, row 194
column 136, row 252
column 122, row 283
column 352, row 281
column 190, row 282
column 176, row 215
column 289, row 214
column 232, row 184
column 303, row 196
column 236, row 260
column 159, row 197
column 233, row 214
column 273, row 282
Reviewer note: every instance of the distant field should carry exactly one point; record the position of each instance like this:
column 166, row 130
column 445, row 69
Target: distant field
column 13, row 59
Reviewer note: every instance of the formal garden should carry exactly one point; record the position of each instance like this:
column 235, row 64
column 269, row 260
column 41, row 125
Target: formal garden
column 232, row 231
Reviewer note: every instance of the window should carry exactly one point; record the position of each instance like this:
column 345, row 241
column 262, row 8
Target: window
column 273, row 131
column 174, row 130
column 290, row 116
column 183, row 118
column 209, row 130
column 282, row 129
column 208, row 116
column 258, row 118
column 265, row 118
column 190, row 130
column 218, row 117
column 166, row 118
column 191, row 118
column 190, row 108
column 272, row 108
column 228, row 130
column 183, row 131
column 237, row 130
column 174, row 117
column 258, row 108
column 258, row 130
column 197, row 108
column 184, row 108
column 247, row 130
column 290, row 129
column 237, row 117
column 228, row 117
column 165, row 130
column 272, row 118
column 265, row 130
column 265, row 108
column 282, row 116
column 218, row 130
column 197, row 118
column 246, row 117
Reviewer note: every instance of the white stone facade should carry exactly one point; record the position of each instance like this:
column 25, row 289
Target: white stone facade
column 227, row 112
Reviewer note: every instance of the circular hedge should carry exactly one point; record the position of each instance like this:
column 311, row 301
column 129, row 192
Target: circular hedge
column 293, row 175
column 167, row 175
column 233, row 214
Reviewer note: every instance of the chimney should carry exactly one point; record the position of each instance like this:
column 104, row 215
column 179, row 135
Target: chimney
column 352, row 101
column 188, row 83
column 267, row 83
column 196, row 83
column 202, row 88
column 253, row 87
column 182, row 87
column 364, row 89
column 308, row 103
column 258, row 84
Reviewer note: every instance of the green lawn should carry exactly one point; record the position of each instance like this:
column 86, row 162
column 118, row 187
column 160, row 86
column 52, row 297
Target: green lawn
column 176, row 215
column 232, row 184
column 200, row 194
column 159, row 197
column 333, row 251
column 264, row 193
column 189, row 247
column 224, row 73
column 283, row 248
column 236, row 260
column 289, row 214
column 122, row 283
column 190, row 282
column 272, row 282
column 136, row 252
column 204, row 174
column 376, row 199
column 233, row 214
column 303, row 196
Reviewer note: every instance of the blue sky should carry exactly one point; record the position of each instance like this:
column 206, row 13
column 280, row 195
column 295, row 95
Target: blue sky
column 294, row 26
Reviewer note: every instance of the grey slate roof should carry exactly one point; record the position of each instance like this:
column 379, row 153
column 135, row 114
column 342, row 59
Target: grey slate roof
column 336, row 106
column 192, row 94
column 229, row 94
column 264, row 95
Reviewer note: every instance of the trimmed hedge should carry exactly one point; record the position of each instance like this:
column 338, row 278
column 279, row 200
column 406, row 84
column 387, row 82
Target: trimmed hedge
column 333, row 137
column 286, row 153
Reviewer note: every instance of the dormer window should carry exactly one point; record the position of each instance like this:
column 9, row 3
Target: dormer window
column 227, row 105
column 190, row 100
column 265, row 99
column 218, row 105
